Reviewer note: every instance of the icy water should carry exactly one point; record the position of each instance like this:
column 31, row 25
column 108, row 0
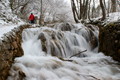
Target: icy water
column 48, row 51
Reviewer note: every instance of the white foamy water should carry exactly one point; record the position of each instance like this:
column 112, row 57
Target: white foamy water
column 47, row 55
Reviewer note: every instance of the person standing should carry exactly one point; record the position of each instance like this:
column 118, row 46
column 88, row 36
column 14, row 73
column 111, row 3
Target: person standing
column 32, row 18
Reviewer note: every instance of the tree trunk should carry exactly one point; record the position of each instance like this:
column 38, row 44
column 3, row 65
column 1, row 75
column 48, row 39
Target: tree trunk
column 113, row 5
column 89, row 11
column 108, row 10
column 41, row 20
column 74, row 11
column 85, row 9
column 103, row 10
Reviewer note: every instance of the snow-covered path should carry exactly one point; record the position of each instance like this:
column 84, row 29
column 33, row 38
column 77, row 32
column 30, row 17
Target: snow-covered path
column 4, row 28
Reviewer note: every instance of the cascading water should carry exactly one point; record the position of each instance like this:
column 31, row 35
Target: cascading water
column 47, row 53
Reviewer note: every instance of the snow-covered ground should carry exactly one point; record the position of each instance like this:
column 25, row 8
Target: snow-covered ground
column 6, row 15
column 8, row 20
column 4, row 28
column 113, row 17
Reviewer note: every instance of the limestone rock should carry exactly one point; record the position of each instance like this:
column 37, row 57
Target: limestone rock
column 109, row 39
column 10, row 47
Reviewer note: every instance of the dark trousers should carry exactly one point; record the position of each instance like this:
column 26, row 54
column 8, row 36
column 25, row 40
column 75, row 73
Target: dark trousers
column 32, row 21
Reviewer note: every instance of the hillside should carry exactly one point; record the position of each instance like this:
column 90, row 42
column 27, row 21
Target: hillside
column 6, row 15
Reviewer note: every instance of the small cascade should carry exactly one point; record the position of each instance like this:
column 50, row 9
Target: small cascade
column 48, row 51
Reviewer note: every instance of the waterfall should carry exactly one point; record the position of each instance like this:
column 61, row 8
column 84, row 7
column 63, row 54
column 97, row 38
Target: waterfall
column 47, row 53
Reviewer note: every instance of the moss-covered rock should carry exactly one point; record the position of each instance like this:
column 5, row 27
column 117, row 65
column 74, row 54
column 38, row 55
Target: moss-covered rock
column 109, row 39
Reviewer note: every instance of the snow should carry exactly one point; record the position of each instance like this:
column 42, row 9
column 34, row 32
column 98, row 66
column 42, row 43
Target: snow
column 6, row 15
column 2, row 22
column 113, row 17
column 8, row 20
column 4, row 28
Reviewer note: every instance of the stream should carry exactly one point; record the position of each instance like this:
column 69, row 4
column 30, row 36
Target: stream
column 48, row 51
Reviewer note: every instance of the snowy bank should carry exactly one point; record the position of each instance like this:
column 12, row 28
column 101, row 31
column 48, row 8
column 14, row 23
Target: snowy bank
column 113, row 17
column 5, row 28
column 110, row 18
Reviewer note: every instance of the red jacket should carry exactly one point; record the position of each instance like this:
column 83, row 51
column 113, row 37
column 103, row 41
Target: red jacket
column 31, row 17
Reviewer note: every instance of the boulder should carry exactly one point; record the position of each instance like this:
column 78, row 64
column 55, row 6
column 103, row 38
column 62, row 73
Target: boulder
column 109, row 40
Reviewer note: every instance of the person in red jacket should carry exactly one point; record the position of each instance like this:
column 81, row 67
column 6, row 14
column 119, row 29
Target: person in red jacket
column 31, row 18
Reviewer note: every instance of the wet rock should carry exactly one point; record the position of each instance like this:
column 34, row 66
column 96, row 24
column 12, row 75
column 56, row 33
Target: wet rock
column 109, row 39
column 42, row 37
column 93, row 42
column 53, row 36
column 119, row 51
column 21, row 75
column 15, row 44
column 92, row 39
column 43, row 41
column 65, row 26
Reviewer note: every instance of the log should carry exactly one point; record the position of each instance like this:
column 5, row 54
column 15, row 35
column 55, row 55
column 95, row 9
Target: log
column 78, row 53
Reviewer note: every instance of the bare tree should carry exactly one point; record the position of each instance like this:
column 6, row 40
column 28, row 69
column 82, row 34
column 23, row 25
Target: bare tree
column 89, row 11
column 41, row 21
column 113, row 5
column 75, row 14
column 93, row 12
column 103, row 10
column 52, row 7
column 80, row 9
column 84, row 8
column 20, row 7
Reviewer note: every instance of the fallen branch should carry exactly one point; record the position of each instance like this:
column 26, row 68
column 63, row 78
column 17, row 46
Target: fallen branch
column 89, row 76
column 67, row 60
column 78, row 53
column 64, row 59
